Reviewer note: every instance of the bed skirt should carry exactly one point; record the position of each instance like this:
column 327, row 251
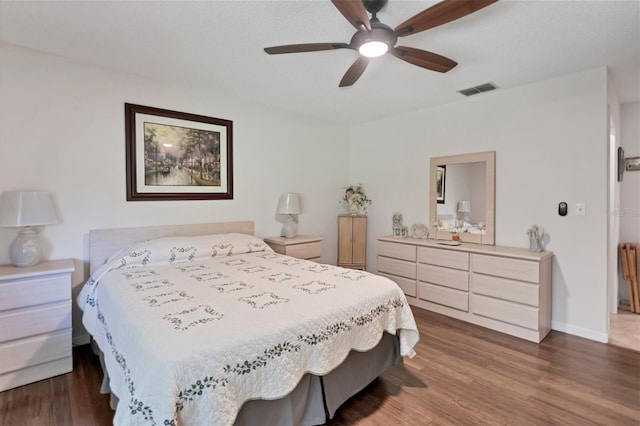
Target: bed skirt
column 315, row 399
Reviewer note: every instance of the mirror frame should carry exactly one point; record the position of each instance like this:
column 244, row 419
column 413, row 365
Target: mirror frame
column 489, row 158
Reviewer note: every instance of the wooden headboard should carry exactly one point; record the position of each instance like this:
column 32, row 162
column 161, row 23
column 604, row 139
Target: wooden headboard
column 105, row 242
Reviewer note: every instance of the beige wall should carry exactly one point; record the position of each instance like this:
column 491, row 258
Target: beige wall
column 550, row 140
column 62, row 130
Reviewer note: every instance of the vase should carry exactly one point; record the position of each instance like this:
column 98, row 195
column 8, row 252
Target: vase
column 354, row 209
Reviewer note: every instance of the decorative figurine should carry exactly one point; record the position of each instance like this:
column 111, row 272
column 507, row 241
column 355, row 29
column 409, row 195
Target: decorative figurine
column 536, row 238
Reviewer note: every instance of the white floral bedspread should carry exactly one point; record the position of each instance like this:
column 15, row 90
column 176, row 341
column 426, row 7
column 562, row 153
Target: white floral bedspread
column 193, row 328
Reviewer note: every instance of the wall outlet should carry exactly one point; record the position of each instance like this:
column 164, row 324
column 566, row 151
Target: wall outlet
column 581, row 210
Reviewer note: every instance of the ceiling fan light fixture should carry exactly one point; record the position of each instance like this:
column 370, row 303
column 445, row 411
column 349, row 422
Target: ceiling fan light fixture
column 373, row 49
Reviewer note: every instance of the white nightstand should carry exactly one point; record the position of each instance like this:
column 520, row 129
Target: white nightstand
column 35, row 322
column 306, row 247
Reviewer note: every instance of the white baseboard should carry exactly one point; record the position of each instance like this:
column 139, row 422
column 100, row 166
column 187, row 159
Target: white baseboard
column 580, row 331
column 84, row 339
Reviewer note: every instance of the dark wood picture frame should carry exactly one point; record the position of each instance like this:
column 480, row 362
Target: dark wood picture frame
column 441, row 174
column 216, row 172
column 620, row 163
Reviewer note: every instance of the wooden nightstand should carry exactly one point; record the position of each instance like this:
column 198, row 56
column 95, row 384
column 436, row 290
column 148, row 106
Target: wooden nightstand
column 35, row 322
column 301, row 246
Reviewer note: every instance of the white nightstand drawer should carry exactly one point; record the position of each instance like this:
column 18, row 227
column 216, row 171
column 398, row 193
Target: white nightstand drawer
column 502, row 288
column 34, row 291
column 397, row 250
column 453, row 278
column 34, row 373
column 444, row 296
column 408, row 286
column 305, row 251
column 513, row 313
column 20, row 354
column 446, row 258
column 40, row 320
column 401, row 268
column 517, row 269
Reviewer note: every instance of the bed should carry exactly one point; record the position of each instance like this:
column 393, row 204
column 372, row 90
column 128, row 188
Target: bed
column 205, row 324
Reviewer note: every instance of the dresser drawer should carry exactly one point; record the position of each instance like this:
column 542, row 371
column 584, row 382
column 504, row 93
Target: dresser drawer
column 29, row 322
column 502, row 288
column 516, row 269
column 453, row 278
column 408, row 286
column 305, row 251
column 24, row 353
column 444, row 296
column 512, row 313
column 401, row 268
column 446, row 258
column 34, row 291
column 397, row 251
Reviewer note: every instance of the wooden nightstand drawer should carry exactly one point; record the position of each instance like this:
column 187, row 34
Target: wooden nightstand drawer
column 306, row 247
column 453, row 278
column 409, row 287
column 31, row 321
column 515, row 291
column 444, row 296
column 397, row 267
column 305, row 251
column 517, row 269
column 397, row 251
column 33, row 291
column 34, row 350
column 513, row 313
column 446, row 258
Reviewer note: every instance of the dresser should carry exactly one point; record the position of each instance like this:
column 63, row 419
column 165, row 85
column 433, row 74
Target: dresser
column 503, row 288
column 352, row 241
column 35, row 322
column 306, row 247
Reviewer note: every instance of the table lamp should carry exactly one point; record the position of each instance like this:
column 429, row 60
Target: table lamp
column 464, row 208
column 289, row 204
column 26, row 209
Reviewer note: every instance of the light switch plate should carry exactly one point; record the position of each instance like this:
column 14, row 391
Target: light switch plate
column 580, row 209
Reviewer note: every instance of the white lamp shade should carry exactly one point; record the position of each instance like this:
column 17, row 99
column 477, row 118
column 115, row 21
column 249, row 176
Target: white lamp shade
column 464, row 207
column 19, row 208
column 289, row 204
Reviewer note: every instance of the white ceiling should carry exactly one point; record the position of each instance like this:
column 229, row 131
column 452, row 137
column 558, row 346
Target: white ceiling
column 217, row 45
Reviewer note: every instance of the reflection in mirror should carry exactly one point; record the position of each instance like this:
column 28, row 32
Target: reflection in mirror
column 464, row 204
column 462, row 199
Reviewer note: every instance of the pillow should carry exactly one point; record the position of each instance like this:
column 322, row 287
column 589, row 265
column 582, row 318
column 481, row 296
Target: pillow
column 187, row 249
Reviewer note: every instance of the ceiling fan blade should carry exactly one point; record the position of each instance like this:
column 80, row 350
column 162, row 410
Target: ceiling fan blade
column 354, row 72
column 424, row 59
column 308, row 47
column 354, row 11
column 440, row 13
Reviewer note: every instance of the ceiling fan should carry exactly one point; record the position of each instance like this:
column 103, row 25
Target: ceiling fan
column 374, row 38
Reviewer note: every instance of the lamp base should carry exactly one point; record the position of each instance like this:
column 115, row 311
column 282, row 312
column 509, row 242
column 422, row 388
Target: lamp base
column 290, row 228
column 25, row 250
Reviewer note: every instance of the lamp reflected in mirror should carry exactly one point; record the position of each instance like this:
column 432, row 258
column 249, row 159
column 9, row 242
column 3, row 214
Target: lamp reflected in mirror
column 464, row 208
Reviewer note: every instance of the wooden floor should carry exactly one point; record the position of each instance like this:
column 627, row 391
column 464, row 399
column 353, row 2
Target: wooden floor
column 462, row 375
column 624, row 329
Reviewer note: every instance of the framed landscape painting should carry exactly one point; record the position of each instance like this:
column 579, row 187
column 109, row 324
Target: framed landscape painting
column 173, row 155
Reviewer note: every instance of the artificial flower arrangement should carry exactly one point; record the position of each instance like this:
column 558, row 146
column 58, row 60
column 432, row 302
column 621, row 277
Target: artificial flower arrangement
column 356, row 199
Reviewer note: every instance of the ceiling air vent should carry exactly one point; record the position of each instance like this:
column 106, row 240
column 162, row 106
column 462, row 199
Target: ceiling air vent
column 486, row 87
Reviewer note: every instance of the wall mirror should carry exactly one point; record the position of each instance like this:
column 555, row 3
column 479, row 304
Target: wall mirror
column 462, row 197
